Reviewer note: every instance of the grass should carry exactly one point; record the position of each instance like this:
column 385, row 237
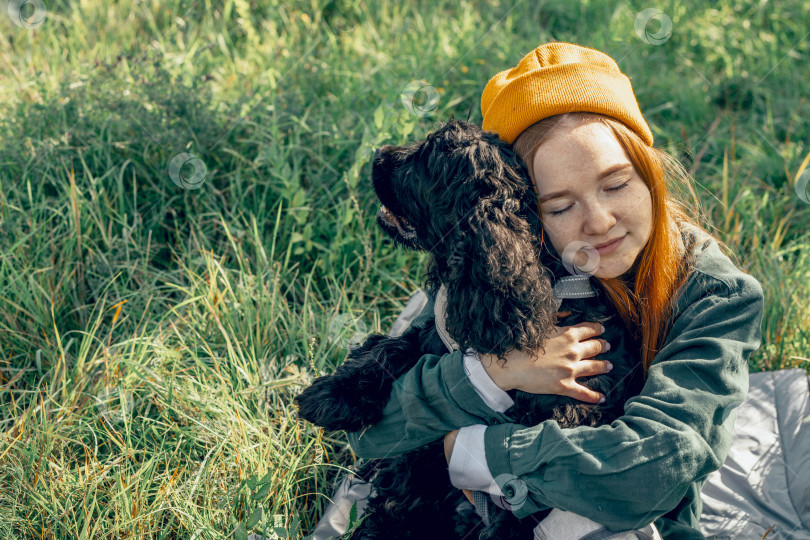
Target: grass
column 152, row 337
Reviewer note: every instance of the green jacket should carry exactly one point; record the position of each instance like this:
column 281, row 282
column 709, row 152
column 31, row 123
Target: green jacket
column 648, row 465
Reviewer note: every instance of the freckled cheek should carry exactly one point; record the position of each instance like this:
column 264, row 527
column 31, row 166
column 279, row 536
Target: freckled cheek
column 638, row 216
column 637, row 207
column 558, row 241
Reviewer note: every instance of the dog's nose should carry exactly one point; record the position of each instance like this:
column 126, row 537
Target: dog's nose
column 380, row 152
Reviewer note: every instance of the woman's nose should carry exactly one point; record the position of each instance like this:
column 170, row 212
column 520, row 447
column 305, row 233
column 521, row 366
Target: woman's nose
column 599, row 219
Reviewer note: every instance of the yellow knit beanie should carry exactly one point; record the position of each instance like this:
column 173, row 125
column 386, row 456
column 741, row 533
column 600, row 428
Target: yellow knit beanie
column 558, row 78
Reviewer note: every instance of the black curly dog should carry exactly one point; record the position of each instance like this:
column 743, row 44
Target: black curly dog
column 466, row 198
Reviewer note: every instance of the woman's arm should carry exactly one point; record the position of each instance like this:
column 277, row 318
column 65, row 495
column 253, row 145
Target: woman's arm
column 433, row 398
column 672, row 435
column 457, row 397
column 442, row 393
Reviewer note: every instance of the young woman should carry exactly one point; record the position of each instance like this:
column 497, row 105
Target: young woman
column 604, row 202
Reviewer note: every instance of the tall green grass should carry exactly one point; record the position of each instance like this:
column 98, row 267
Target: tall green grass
column 152, row 337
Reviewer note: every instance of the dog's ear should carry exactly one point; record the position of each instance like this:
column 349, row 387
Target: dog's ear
column 499, row 294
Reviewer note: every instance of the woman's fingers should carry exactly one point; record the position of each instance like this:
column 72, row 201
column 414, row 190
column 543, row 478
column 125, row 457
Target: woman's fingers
column 579, row 332
column 592, row 347
column 585, row 330
column 593, row 367
column 582, row 393
column 569, row 354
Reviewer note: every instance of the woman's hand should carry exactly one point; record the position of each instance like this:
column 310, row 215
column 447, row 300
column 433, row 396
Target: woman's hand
column 449, row 443
column 555, row 372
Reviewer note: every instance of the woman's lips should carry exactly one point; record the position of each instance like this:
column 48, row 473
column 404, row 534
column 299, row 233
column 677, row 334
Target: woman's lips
column 610, row 248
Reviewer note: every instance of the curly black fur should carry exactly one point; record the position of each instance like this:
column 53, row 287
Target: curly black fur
column 463, row 196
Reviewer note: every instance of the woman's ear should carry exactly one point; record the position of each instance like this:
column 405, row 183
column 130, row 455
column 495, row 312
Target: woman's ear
column 499, row 295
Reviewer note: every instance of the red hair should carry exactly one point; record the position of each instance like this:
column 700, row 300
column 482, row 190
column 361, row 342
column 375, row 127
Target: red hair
column 661, row 269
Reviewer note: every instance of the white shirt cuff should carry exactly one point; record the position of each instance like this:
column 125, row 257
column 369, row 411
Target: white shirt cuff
column 468, row 462
column 497, row 399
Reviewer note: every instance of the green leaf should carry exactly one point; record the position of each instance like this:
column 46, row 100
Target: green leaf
column 294, row 527
column 281, row 532
column 407, row 129
column 251, row 482
column 241, row 533
column 348, row 217
column 353, row 514
column 262, row 492
column 254, row 517
column 299, row 198
column 266, row 478
column 378, row 117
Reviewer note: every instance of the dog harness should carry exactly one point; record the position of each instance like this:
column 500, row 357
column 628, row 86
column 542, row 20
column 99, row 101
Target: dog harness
column 573, row 287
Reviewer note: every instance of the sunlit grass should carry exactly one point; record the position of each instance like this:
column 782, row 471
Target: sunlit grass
column 152, row 337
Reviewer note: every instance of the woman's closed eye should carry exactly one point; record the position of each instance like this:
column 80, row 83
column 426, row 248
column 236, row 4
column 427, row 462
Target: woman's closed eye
column 617, row 188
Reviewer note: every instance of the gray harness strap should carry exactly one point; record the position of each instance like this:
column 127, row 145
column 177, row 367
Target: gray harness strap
column 573, row 287
column 480, row 500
